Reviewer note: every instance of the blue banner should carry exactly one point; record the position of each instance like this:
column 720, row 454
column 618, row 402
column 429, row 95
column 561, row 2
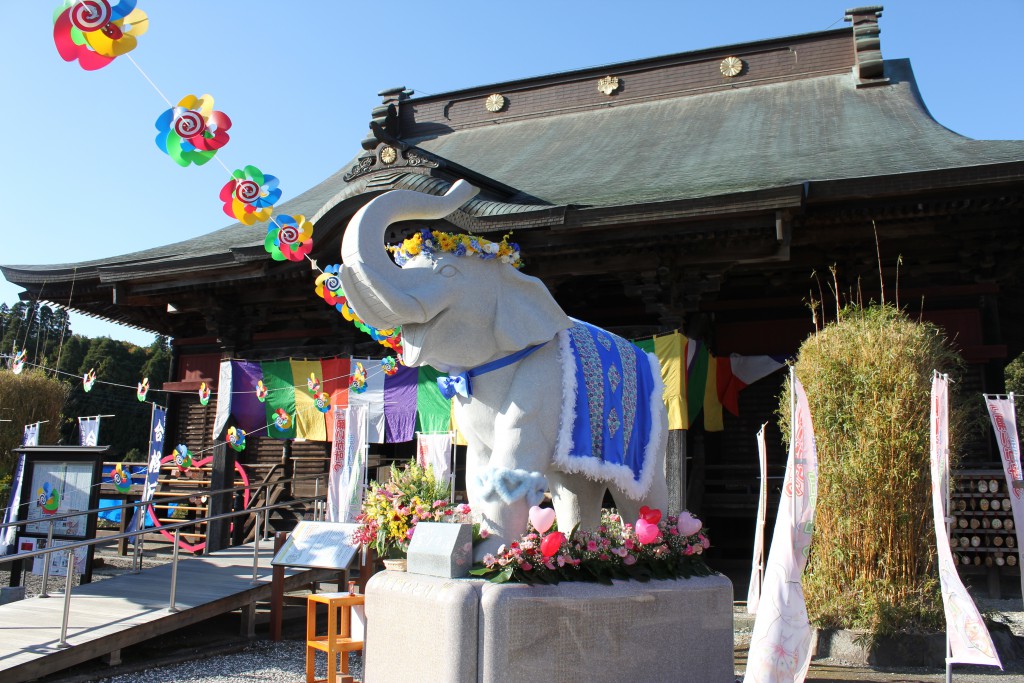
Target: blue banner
column 8, row 535
column 157, row 429
column 89, row 431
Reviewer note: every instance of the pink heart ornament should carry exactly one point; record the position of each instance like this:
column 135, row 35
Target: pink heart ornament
column 688, row 525
column 541, row 518
column 646, row 532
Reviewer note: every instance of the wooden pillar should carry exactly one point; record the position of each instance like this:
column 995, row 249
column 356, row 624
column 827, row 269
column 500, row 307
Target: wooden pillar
column 218, row 532
column 675, row 471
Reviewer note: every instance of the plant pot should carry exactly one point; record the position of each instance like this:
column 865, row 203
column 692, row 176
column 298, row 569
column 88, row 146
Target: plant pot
column 396, row 564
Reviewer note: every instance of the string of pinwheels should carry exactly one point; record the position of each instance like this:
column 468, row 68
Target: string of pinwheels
column 94, row 33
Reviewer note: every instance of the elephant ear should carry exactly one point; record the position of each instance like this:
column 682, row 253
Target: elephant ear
column 526, row 313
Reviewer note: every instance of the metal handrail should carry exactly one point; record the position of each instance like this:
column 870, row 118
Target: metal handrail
column 51, row 518
column 71, row 545
column 172, row 607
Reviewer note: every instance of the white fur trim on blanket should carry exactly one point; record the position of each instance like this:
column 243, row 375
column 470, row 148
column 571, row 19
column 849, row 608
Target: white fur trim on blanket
column 620, row 476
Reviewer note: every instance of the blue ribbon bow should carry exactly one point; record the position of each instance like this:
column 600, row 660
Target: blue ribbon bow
column 460, row 384
column 454, row 384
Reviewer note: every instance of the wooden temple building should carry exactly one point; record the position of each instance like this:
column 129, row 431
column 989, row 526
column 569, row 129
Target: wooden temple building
column 697, row 192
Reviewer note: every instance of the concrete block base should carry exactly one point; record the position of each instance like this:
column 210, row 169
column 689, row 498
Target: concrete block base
column 471, row 631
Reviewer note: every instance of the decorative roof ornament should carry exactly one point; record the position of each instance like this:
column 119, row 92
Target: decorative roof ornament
column 608, row 84
column 388, row 155
column 731, row 67
column 867, row 45
column 496, row 102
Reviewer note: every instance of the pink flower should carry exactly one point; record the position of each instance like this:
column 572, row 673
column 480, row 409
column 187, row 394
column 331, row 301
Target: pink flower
column 705, row 542
column 484, row 532
column 561, row 560
column 603, row 557
column 549, row 565
column 621, row 552
column 629, row 544
column 489, row 560
column 591, row 546
column 673, row 531
column 410, row 532
column 689, row 550
column 628, row 560
column 439, row 503
column 526, row 566
column 463, row 509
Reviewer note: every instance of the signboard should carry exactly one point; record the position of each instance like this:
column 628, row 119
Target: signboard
column 59, row 480
column 319, row 545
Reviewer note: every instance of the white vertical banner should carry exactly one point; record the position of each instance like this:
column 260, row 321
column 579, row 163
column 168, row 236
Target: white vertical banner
column 31, row 435
column 372, row 397
column 757, row 566
column 780, row 645
column 967, row 637
column 89, row 431
column 224, row 394
column 348, row 464
column 1003, row 414
column 435, row 450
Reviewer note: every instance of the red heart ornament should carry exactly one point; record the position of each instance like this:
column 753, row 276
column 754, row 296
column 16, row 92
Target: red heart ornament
column 551, row 544
column 652, row 516
column 646, row 532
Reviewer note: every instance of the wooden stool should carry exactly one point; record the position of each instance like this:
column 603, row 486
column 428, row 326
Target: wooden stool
column 339, row 635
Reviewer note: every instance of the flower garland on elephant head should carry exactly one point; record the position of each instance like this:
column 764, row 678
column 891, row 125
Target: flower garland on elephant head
column 430, row 242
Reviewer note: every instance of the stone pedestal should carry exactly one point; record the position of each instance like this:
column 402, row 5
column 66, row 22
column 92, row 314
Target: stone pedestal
column 425, row 628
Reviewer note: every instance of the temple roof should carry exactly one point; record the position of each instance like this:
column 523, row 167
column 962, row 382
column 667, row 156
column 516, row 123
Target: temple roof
column 801, row 110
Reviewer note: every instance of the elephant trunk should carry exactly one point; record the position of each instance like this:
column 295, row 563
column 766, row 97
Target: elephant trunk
column 377, row 289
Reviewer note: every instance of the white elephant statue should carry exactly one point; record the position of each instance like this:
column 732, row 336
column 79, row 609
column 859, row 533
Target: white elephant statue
column 544, row 402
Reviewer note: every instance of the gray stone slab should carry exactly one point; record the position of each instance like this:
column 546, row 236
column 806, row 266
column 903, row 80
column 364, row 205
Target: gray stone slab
column 440, row 549
column 678, row 631
column 421, row 628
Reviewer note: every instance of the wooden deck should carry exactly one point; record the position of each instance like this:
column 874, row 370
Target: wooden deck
column 108, row 615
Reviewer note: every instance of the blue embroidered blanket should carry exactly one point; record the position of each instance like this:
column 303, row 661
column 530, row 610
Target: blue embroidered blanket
column 612, row 404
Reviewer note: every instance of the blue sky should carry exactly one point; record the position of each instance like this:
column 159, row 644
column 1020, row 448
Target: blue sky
column 83, row 178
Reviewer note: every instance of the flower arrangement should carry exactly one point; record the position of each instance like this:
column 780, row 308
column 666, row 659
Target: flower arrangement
column 391, row 511
column 652, row 548
column 429, row 242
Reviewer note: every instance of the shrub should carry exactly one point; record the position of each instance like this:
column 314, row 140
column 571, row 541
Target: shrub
column 868, row 383
column 25, row 398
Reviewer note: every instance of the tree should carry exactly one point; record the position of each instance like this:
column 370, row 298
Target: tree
column 868, row 383
column 26, row 398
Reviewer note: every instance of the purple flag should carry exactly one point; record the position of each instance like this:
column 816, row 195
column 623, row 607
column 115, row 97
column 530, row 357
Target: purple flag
column 400, row 404
column 247, row 410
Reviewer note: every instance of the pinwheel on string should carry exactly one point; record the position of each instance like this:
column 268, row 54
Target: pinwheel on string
column 313, row 384
column 289, row 238
column 250, row 195
column 95, row 33
column 192, row 132
column 142, row 389
column 328, row 287
column 204, row 394
column 357, row 382
column 236, row 438
column 122, row 478
column 18, row 362
column 88, row 380
column 261, row 391
column 282, row 420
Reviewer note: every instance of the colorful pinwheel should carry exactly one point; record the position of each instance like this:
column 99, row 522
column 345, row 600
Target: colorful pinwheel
column 357, row 383
column 204, row 394
column 328, row 287
column 282, row 420
column 322, row 401
column 313, row 384
column 289, row 238
column 261, row 391
column 389, row 365
column 18, row 362
column 122, row 478
column 250, row 195
column 182, row 457
column 142, row 389
column 192, row 132
column 89, row 379
column 94, row 33
column 236, row 438
column 48, row 498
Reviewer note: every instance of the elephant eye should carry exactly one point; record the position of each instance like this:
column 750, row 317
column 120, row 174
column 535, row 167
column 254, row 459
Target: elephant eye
column 447, row 270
